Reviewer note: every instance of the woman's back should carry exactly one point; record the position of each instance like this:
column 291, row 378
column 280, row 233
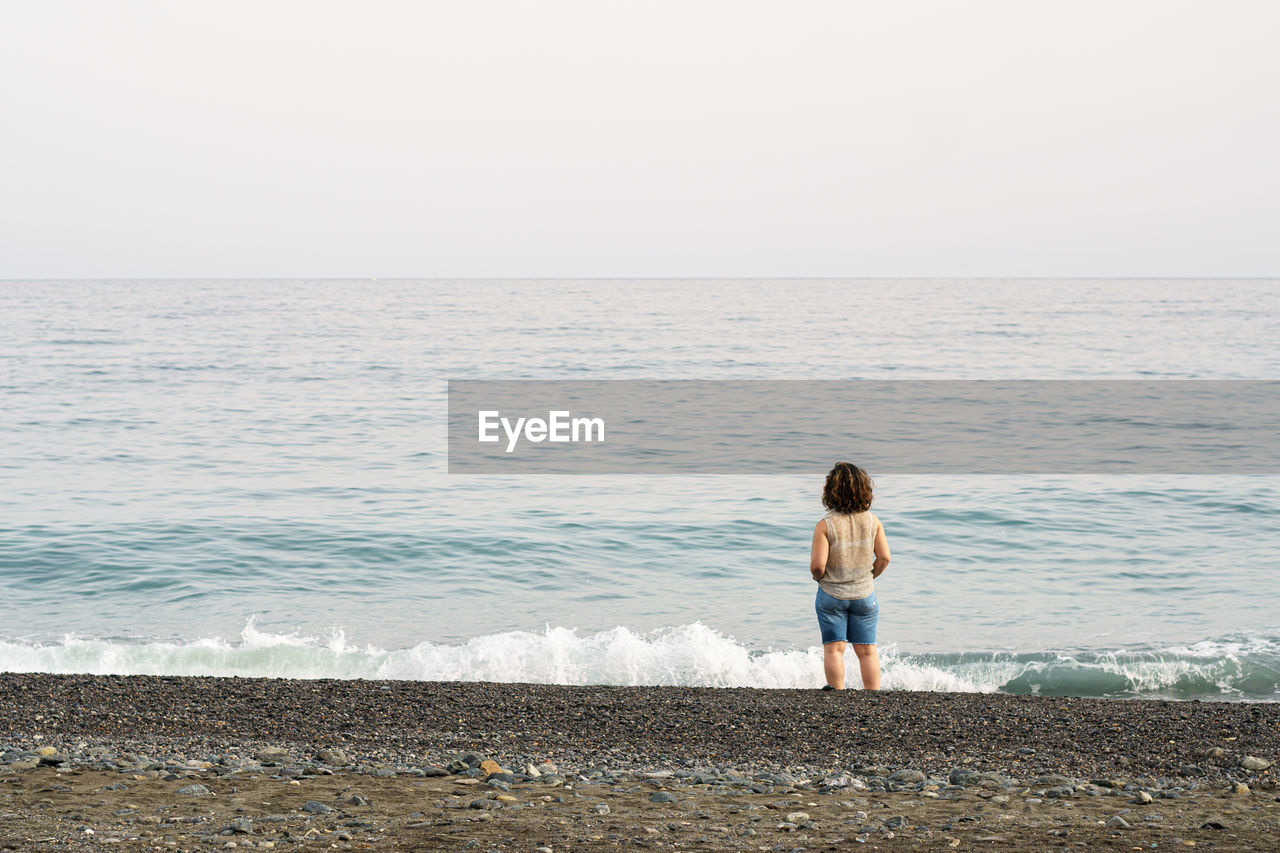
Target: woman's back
column 851, row 540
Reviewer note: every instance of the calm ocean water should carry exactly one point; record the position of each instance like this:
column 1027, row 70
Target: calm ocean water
column 249, row 478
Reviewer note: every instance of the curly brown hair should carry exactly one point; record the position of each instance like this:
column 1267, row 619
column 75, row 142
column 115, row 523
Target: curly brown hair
column 848, row 489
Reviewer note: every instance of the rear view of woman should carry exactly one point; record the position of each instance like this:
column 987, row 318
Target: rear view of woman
column 849, row 552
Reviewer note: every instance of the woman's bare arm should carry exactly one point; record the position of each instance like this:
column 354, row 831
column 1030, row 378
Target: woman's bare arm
column 881, row 548
column 818, row 556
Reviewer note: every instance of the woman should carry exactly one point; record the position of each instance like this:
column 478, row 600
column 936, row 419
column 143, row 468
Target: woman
column 849, row 551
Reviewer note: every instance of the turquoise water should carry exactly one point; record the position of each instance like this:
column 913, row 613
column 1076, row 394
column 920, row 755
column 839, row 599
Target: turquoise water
column 249, row 478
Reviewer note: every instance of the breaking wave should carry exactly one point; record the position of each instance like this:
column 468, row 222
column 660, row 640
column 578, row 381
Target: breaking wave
column 686, row 655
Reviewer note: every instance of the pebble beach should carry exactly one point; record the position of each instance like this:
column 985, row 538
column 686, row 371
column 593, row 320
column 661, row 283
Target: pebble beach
column 192, row 763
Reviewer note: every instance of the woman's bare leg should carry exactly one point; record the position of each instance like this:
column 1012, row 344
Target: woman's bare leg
column 833, row 664
column 869, row 663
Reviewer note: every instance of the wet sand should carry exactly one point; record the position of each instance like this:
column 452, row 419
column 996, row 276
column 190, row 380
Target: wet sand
column 95, row 762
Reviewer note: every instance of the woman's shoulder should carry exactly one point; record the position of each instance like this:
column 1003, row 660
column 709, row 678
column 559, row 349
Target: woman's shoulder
column 831, row 516
column 855, row 517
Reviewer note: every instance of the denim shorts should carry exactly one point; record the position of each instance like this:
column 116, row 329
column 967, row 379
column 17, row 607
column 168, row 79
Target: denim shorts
column 847, row 620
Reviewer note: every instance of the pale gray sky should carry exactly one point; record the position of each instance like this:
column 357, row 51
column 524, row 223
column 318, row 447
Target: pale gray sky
column 154, row 138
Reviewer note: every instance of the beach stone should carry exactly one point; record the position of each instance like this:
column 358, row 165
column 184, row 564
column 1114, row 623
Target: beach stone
column 978, row 778
column 663, row 797
column 489, row 767
column 798, row 817
column 434, row 771
column 1190, row 770
column 907, row 776
column 601, row 808
column 844, row 780
column 195, row 790
column 357, row 800
column 271, row 755
column 484, row 804
column 316, row 807
column 531, row 771
column 1118, row 822
column 1060, row 792
column 25, row 763
column 333, row 755
column 242, row 826
column 1054, row 780
column 498, row 784
column 1252, row 762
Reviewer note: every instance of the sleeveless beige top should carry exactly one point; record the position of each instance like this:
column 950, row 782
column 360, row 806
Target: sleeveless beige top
column 851, row 539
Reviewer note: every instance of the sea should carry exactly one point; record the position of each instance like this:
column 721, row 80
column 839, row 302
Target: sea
column 249, row 478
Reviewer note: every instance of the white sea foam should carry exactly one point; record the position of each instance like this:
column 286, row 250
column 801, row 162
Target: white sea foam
column 687, row 655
